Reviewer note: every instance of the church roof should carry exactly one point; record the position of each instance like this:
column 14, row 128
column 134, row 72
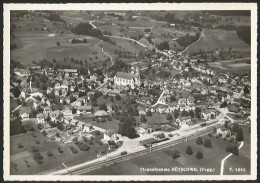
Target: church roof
column 127, row 76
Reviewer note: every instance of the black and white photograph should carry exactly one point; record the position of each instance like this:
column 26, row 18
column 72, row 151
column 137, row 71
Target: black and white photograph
column 152, row 92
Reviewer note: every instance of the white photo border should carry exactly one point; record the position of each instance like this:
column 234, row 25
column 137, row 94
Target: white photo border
column 128, row 6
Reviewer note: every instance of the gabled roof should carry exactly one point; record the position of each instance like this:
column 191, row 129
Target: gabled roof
column 84, row 107
column 127, row 76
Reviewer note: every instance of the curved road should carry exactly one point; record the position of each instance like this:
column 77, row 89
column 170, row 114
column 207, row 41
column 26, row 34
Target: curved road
column 201, row 35
column 126, row 38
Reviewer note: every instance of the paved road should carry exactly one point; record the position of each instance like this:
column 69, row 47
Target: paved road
column 133, row 146
column 222, row 167
column 126, row 38
column 201, row 35
column 111, row 59
column 158, row 101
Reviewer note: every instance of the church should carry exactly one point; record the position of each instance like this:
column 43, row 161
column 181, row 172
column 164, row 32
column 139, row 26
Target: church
column 128, row 79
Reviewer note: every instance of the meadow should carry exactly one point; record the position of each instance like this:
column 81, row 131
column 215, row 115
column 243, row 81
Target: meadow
column 163, row 159
column 217, row 39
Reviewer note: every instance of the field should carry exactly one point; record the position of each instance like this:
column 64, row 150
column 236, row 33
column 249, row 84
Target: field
column 163, row 159
column 218, row 39
column 40, row 46
column 13, row 103
column 236, row 66
column 22, row 161
column 243, row 160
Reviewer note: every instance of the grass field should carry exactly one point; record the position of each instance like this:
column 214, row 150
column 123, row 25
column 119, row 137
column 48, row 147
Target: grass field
column 218, row 39
column 239, row 66
column 243, row 160
column 40, row 46
column 19, row 156
column 163, row 159
column 13, row 103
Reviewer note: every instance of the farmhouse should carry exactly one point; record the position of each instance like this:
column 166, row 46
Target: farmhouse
column 84, row 109
column 110, row 135
column 124, row 79
column 40, row 118
column 24, row 112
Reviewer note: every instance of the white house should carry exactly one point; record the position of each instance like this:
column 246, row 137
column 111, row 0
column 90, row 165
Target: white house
column 124, row 79
column 110, row 135
column 40, row 118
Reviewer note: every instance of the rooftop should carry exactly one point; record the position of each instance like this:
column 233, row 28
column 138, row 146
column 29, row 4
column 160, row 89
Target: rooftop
column 127, row 76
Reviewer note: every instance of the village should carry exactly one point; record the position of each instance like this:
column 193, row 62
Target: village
column 86, row 113
column 71, row 95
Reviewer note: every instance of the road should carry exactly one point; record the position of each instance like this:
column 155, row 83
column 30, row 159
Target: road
column 158, row 101
column 134, row 149
column 126, row 38
column 109, row 159
column 30, row 97
column 201, row 35
column 80, row 19
column 111, row 59
column 225, row 159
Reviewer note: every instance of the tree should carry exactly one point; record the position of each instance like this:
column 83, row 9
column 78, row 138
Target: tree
column 49, row 153
column 44, row 132
column 176, row 154
column 57, row 43
column 172, row 98
column 143, row 118
column 189, row 150
column 16, row 92
column 169, row 117
column 240, row 135
column 198, row 112
column 16, row 126
column 207, row 143
column 199, row 155
column 191, row 113
column 246, row 90
column 199, row 141
column 176, row 113
column 118, row 97
column 103, row 106
column 19, row 145
column 223, row 105
column 149, row 113
column 60, row 150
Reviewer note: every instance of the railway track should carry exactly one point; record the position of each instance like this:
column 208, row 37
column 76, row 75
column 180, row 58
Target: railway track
column 117, row 159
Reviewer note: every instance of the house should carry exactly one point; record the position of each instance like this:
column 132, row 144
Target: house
column 67, row 111
column 80, row 125
column 183, row 120
column 141, row 131
column 24, row 112
column 233, row 108
column 84, row 109
column 47, row 110
column 222, row 131
column 109, row 135
column 36, row 104
column 182, row 101
column 76, row 94
column 182, row 104
column 100, row 113
column 88, row 127
column 161, row 108
column 54, row 115
column 206, row 114
column 57, row 86
column 40, row 118
column 190, row 101
column 124, row 79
